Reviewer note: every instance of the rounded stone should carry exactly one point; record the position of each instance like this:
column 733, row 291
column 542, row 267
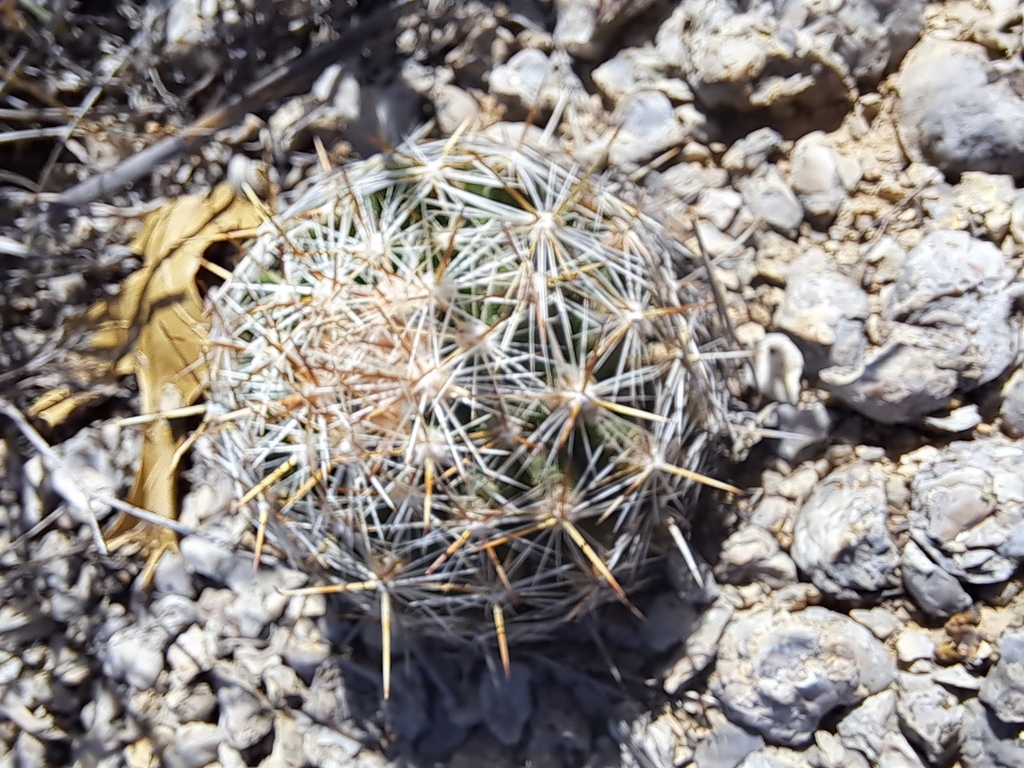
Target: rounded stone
column 840, row 538
column 967, row 509
column 1003, row 687
column 781, row 673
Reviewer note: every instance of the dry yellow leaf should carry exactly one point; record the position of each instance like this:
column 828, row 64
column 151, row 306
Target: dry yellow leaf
column 155, row 329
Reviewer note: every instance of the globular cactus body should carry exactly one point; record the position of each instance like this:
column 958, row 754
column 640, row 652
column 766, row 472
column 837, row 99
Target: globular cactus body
column 475, row 384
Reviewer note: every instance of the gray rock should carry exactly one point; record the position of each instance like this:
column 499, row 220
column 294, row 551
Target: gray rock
column 1017, row 216
column 967, row 509
column 242, row 717
column 135, row 655
column 638, row 69
column 454, row 107
column 228, row 757
column 531, row 80
column 194, row 746
column 718, row 206
column 29, row 752
column 946, row 265
column 559, row 731
column 840, row 538
column 408, row 708
column 829, row 752
column 930, row 716
column 283, row 686
column 778, row 369
column 808, row 425
column 171, row 576
column 701, row 646
column 780, row 673
column 195, row 704
column 947, row 327
column 887, row 257
column 442, row 737
column 751, row 152
column 305, row 648
column 1012, row 408
column 260, row 600
column 953, row 116
column 187, row 28
column 824, row 312
column 726, row 747
column 686, row 180
column 958, row 420
column 327, row 701
column 287, row 749
column 199, row 646
column 872, row 730
column 814, row 175
column 174, row 613
column 209, row 558
column 584, row 27
column 733, row 54
column 912, row 645
column 1003, row 687
column 898, row 753
column 209, row 501
column 647, row 126
column 866, row 727
column 714, row 240
column 337, row 101
column 506, row 702
column 326, row 748
column 243, row 170
column 182, row 667
column 896, row 384
column 980, row 203
column 956, row 678
column 932, row 589
column 770, row 199
column 882, row 622
column 752, row 554
column 656, row 737
column 775, row 757
column 985, row 742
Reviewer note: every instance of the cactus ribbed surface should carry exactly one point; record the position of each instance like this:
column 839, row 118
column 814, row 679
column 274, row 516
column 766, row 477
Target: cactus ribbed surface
column 476, row 384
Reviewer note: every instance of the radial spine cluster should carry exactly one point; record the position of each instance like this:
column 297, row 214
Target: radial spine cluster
column 476, row 386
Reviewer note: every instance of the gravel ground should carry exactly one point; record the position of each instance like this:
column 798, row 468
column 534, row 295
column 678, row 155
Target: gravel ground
column 850, row 169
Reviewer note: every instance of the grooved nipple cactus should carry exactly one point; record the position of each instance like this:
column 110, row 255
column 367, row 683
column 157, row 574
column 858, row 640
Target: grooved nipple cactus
column 475, row 386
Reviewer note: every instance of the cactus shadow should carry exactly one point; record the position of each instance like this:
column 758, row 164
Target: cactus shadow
column 582, row 697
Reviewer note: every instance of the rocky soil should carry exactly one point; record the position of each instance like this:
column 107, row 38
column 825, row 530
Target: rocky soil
column 850, row 170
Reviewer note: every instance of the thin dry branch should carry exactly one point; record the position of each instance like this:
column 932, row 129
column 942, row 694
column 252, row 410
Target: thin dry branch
column 280, row 83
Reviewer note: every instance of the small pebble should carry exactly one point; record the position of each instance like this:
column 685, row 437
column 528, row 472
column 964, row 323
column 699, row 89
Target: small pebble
column 304, row 649
column 881, row 621
column 911, row 646
column 1003, row 688
column 136, row 655
column 505, row 702
column 194, row 746
column 242, row 717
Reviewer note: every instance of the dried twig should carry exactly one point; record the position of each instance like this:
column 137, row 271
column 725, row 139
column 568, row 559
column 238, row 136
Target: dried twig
column 278, row 84
column 9, row 137
column 84, row 107
column 63, row 480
